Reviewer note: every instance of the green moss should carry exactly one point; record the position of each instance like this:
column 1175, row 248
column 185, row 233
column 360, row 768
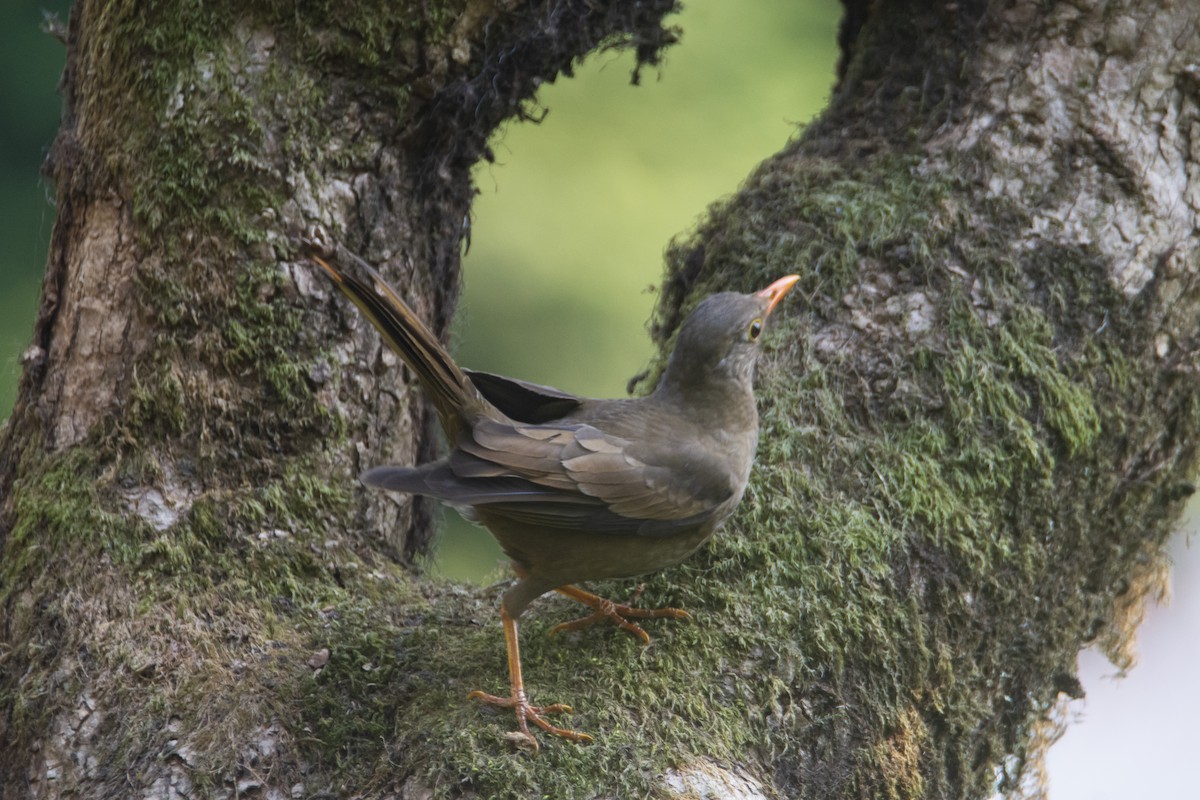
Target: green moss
column 191, row 144
column 57, row 514
column 619, row 691
column 197, row 601
column 57, row 506
column 821, row 221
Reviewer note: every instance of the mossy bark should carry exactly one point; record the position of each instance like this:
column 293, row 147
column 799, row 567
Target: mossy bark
column 979, row 413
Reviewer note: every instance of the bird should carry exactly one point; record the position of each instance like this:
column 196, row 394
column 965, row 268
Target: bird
column 578, row 489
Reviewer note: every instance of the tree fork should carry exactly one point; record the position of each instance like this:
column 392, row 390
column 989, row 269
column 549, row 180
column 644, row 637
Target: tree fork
column 976, row 437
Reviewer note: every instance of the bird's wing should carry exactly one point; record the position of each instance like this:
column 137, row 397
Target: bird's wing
column 633, row 480
column 519, row 500
column 521, row 400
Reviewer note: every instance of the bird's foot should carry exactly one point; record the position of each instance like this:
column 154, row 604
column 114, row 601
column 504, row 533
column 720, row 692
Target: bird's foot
column 617, row 613
column 527, row 713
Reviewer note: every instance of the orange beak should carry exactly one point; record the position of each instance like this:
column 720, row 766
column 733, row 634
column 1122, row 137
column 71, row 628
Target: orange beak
column 775, row 292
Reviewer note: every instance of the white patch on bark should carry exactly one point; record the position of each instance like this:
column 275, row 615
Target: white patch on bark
column 163, row 504
column 66, row 757
column 707, row 780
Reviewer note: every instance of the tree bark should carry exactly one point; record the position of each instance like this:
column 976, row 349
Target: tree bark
column 978, row 416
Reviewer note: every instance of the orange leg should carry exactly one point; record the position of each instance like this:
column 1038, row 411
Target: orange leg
column 518, row 702
column 617, row 613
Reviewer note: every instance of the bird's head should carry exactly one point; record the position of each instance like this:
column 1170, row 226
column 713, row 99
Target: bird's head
column 719, row 339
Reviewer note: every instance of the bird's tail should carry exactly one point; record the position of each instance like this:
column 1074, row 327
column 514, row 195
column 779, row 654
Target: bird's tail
column 445, row 383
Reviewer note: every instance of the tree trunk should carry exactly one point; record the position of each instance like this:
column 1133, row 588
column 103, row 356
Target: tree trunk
column 978, row 415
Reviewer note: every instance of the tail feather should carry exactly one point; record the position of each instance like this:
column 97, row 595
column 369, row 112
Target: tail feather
column 439, row 480
column 447, row 385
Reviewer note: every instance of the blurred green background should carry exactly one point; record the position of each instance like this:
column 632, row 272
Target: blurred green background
column 30, row 65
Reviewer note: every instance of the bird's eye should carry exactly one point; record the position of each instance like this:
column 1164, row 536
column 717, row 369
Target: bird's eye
column 754, row 330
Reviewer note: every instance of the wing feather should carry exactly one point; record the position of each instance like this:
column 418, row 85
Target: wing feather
column 572, row 476
column 615, row 471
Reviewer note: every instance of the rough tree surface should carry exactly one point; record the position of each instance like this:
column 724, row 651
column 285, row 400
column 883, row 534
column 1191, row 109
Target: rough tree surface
column 979, row 411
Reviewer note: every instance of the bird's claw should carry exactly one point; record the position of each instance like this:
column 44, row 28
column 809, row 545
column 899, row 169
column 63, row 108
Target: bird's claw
column 619, row 614
column 526, row 714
